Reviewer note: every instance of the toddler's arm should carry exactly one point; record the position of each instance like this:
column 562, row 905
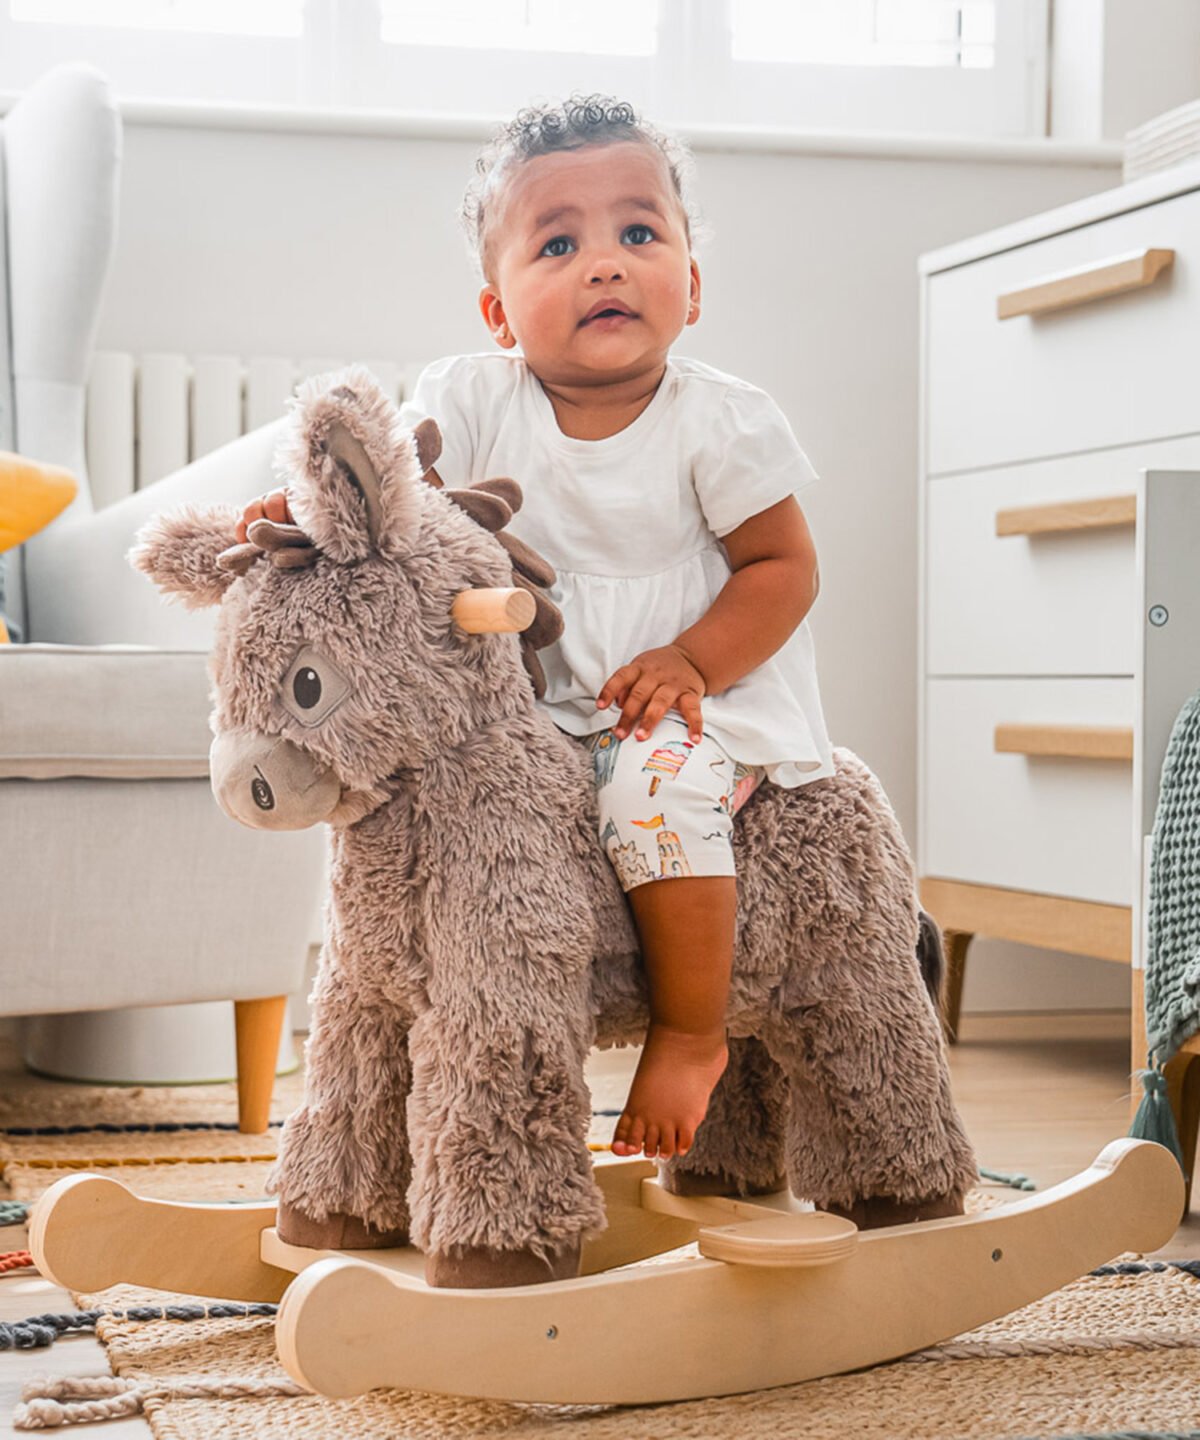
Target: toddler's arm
column 772, row 588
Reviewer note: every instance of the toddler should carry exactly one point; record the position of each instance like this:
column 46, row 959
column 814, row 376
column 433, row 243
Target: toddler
column 663, row 493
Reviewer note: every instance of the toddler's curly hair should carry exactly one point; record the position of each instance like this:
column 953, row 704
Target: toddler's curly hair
column 569, row 124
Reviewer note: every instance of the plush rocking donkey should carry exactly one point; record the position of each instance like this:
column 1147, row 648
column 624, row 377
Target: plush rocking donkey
column 478, row 942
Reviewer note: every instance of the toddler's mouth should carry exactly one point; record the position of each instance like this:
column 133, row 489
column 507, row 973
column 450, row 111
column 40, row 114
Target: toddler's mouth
column 607, row 310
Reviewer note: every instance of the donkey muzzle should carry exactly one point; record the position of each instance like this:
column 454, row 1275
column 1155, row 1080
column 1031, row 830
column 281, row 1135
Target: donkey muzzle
column 268, row 783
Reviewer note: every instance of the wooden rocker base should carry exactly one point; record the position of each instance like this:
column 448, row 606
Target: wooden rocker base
column 778, row 1294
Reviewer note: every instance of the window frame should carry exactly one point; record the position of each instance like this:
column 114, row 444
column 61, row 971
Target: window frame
column 341, row 62
column 1007, row 99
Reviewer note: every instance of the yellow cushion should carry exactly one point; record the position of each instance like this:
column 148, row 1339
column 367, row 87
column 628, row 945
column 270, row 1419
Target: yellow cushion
column 31, row 495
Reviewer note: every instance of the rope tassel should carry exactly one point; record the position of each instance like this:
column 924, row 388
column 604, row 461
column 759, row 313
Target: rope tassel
column 50, row 1401
column 1154, row 1120
column 41, row 1330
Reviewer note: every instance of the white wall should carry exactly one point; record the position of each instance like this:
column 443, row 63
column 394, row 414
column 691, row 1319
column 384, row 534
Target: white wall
column 246, row 242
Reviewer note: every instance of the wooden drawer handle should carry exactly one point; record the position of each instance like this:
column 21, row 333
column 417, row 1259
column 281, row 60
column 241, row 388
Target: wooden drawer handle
column 1109, row 513
column 1091, row 282
column 1071, row 742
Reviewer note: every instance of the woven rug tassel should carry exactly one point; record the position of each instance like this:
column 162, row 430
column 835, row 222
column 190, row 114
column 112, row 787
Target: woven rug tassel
column 1154, row 1120
column 50, row 1401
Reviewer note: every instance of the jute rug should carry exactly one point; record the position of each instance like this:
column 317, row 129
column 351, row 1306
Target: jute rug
column 1121, row 1353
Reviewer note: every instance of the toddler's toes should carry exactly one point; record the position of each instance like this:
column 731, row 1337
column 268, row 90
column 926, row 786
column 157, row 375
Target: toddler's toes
column 651, row 1142
column 627, row 1139
column 667, row 1144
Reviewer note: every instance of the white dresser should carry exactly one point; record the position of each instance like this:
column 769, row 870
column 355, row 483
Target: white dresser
column 1059, row 564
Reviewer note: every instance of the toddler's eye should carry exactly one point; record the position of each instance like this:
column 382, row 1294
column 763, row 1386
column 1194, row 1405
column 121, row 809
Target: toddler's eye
column 554, row 248
column 638, row 234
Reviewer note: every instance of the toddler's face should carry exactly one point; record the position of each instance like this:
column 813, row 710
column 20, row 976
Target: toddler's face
column 578, row 228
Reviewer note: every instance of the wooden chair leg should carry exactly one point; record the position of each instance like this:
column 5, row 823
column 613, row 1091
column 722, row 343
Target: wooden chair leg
column 1183, row 1091
column 258, row 1023
column 956, row 943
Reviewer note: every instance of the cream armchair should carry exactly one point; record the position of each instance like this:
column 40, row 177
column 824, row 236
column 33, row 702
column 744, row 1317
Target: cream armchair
column 123, row 883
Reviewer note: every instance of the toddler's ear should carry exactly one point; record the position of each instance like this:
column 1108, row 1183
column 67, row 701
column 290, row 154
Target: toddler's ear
column 179, row 552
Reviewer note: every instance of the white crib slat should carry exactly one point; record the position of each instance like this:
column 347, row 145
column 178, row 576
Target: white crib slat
column 147, row 417
column 216, row 402
column 270, row 380
column 109, row 427
column 162, row 404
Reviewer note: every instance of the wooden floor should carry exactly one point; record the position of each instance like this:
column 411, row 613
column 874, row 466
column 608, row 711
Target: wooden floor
column 1040, row 1095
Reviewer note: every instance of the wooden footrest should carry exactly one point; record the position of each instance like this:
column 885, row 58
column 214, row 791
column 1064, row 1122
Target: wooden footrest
column 791, row 1241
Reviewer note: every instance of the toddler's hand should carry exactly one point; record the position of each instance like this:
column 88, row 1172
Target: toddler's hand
column 272, row 506
column 651, row 684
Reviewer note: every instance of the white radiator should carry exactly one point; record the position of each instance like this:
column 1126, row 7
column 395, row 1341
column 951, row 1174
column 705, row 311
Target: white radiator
column 149, row 415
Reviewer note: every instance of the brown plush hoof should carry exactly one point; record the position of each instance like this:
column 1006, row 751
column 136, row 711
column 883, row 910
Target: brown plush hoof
column 336, row 1232
column 717, row 1182
column 477, row 1267
column 875, row 1211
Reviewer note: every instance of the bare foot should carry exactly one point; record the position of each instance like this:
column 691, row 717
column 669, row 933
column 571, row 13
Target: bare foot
column 669, row 1095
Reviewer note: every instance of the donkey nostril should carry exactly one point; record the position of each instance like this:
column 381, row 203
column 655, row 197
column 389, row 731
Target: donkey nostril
column 261, row 792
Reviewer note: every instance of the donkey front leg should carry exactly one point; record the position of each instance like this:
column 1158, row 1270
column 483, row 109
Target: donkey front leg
column 344, row 1167
column 503, row 1192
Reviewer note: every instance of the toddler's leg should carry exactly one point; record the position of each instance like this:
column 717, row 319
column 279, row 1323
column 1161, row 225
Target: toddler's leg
column 740, row 1148
column 666, row 810
column 687, row 929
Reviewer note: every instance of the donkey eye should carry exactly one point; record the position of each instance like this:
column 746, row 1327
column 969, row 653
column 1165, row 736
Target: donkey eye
column 306, row 687
column 313, row 687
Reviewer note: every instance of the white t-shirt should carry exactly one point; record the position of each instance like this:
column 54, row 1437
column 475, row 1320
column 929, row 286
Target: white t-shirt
column 632, row 525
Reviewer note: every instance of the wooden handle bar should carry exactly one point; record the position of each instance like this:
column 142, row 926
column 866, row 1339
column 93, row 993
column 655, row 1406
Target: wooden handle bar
column 1070, row 742
column 1107, row 513
column 493, row 612
column 1090, row 282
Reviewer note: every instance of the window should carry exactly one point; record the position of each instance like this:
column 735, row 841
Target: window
column 220, row 17
column 949, row 66
column 933, row 66
column 866, row 32
column 618, row 27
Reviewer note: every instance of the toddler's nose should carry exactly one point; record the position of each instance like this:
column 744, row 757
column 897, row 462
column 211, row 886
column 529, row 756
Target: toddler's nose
column 604, row 272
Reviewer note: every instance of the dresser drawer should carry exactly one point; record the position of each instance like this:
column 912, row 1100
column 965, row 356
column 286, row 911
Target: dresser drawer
column 1103, row 373
column 1058, row 600
column 1026, row 822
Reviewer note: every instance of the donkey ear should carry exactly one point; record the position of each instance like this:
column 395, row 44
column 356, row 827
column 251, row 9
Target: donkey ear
column 179, row 552
column 353, row 469
column 346, row 451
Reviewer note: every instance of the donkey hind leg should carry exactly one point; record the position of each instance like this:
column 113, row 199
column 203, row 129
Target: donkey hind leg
column 873, row 1133
column 739, row 1148
column 344, row 1166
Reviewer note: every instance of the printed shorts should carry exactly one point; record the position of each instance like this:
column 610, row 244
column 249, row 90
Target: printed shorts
column 667, row 805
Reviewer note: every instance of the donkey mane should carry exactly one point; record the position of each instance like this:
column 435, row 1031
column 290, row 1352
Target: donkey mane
column 490, row 503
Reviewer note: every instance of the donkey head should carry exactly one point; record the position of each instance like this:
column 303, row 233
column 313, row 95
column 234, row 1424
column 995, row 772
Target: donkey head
column 349, row 648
